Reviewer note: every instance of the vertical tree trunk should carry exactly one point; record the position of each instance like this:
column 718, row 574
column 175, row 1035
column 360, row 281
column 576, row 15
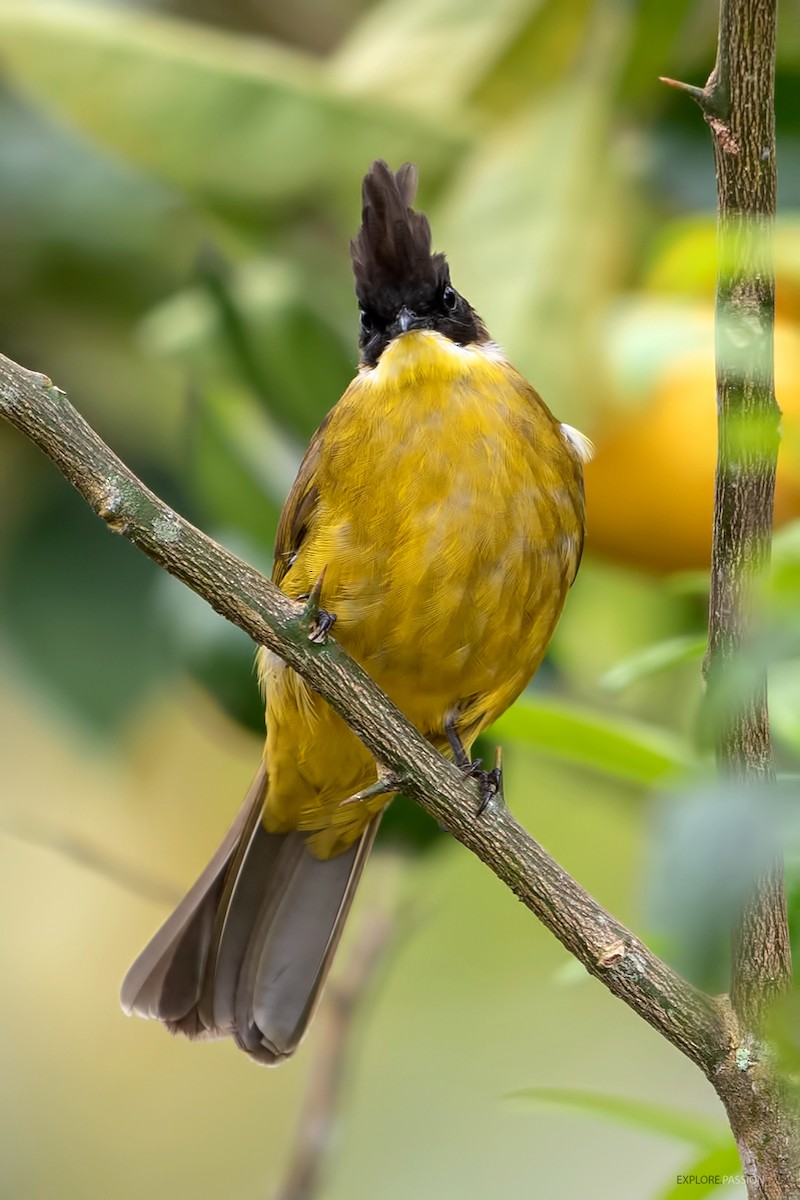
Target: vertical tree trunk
column 743, row 126
column 738, row 105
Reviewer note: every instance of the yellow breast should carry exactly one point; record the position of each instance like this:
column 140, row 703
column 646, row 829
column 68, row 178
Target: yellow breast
column 449, row 523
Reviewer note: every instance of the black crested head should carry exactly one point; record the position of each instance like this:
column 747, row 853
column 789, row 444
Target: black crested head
column 392, row 259
column 400, row 284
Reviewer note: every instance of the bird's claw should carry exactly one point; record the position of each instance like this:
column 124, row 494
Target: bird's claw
column 319, row 620
column 490, row 783
column 324, row 622
column 490, row 787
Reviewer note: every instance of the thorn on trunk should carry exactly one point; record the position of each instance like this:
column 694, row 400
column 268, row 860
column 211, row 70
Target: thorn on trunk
column 709, row 98
column 383, row 786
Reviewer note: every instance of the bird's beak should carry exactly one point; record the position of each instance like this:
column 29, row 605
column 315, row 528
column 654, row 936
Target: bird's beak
column 406, row 319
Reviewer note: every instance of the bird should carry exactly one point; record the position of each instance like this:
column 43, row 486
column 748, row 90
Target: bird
column 437, row 519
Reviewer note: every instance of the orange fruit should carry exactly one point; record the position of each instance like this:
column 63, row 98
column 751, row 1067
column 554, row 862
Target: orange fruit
column 650, row 488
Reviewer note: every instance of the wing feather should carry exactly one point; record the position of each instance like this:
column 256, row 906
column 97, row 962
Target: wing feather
column 298, row 511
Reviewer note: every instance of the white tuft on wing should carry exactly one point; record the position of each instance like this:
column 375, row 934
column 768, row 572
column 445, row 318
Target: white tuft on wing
column 582, row 446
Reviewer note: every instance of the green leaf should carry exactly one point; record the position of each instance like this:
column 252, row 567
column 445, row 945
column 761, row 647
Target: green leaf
column 659, row 30
column 687, row 583
column 783, row 1019
column 429, row 53
column 635, row 1114
column 616, row 746
column 241, row 464
column 217, row 654
column 784, row 580
column 544, row 51
column 256, row 324
column 78, row 608
column 784, row 702
column 542, row 202
column 59, row 191
column 708, row 848
column 721, row 1163
column 659, row 657
column 687, row 259
column 233, row 119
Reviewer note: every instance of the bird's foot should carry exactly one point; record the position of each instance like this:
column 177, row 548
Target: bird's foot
column 323, row 624
column 318, row 620
column 490, row 783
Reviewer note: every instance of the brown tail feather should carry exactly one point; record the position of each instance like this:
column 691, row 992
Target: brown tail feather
column 247, row 951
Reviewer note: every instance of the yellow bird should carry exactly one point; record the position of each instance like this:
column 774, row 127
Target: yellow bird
column 441, row 504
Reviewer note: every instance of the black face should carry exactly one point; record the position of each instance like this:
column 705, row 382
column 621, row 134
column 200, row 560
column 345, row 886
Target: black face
column 400, row 284
column 445, row 312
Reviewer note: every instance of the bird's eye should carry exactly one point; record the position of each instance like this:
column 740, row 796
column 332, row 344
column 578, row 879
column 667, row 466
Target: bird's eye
column 366, row 322
column 449, row 299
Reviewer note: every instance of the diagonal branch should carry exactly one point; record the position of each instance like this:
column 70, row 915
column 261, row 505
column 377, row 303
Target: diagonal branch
column 699, row 1025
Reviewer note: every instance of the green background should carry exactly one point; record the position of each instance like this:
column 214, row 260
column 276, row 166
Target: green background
column 178, row 183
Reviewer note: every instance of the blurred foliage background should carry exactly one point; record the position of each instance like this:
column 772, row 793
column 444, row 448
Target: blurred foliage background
column 178, row 183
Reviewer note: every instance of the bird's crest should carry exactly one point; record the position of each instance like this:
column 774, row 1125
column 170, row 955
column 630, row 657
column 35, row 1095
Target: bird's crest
column 392, row 259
